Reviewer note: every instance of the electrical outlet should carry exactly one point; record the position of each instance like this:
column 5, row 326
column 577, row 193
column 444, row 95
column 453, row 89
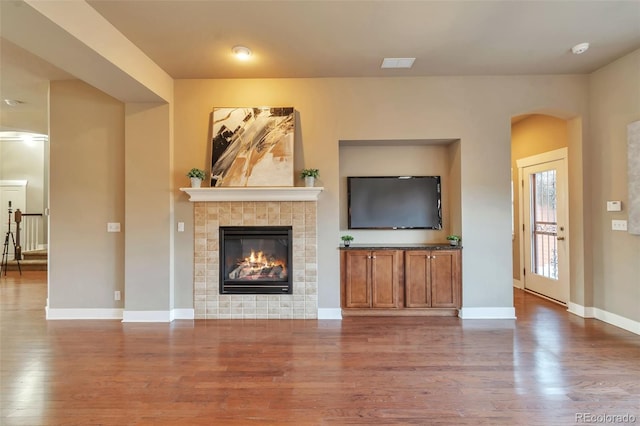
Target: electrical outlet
column 619, row 225
column 113, row 227
column 116, row 295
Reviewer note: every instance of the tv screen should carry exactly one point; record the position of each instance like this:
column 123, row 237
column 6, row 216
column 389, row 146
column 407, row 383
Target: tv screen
column 394, row 202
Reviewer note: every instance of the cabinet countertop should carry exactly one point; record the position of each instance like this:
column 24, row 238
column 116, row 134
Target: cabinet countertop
column 443, row 246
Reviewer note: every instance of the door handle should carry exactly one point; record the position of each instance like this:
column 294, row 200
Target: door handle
column 560, row 238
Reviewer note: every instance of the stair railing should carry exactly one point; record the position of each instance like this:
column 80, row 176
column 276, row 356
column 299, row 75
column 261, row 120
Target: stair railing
column 30, row 231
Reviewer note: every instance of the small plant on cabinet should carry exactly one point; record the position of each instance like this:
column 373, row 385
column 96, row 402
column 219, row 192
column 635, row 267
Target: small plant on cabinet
column 346, row 240
column 453, row 239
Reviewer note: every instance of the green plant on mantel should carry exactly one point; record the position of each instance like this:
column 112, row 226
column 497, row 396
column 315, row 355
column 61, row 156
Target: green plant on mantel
column 196, row 173
column 314, row 173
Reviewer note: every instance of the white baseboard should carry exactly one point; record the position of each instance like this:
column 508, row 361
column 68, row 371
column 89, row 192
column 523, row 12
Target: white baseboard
column 518, row 284
column 119, row 314
column 184, row 314
column 487, row 313
column 76, row 314
column 579, row 310
column 330, row 313
column 617, row 320
column 605, row 316
column 147, row 316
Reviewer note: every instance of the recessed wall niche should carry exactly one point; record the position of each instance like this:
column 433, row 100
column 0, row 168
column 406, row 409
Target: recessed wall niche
column 424, row 157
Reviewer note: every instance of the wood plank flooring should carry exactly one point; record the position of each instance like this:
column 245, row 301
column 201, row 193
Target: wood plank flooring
column 546, row 368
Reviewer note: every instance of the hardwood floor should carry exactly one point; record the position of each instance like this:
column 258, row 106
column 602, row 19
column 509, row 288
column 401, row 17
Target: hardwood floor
column 546, row 368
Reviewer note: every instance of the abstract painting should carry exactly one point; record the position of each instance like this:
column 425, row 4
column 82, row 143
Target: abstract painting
column 252, row 147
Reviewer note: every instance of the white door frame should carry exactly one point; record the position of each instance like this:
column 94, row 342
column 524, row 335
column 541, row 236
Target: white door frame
column 561, row 154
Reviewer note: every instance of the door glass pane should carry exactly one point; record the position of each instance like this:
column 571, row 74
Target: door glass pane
column 544, row 250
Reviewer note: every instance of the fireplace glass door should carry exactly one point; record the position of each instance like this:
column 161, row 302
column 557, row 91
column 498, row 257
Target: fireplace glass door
column 255, row 260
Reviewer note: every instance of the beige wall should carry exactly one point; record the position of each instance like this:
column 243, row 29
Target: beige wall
column 86, row 124
column 531, row 136
column 87, row 191
column 475, row 110
column 615, row 255
column 87, row 140
column 396, row 158
column 149, row 209
column 94, row 174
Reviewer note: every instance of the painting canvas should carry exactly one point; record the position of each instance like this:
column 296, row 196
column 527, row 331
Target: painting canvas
column 252, row 147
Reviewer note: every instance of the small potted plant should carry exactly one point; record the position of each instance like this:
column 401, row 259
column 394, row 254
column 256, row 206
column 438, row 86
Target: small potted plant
column 454, row 240
column 309, row 176
column 346, row 240
column 197, row 176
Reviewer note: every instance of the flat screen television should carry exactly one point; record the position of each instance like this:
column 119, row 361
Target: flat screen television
column 394, row 202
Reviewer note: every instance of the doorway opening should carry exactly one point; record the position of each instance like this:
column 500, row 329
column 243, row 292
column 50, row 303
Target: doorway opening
column 540, row 149
column 24, row 199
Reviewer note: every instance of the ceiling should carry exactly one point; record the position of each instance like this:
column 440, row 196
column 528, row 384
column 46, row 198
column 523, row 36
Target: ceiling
column 193, row 39
column 314, row 39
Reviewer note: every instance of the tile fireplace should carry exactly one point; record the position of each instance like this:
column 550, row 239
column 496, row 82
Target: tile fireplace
column 298, row 217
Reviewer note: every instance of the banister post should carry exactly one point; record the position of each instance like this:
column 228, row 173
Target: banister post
column 17, row 217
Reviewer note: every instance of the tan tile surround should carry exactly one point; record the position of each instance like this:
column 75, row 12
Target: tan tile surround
column 209, row 216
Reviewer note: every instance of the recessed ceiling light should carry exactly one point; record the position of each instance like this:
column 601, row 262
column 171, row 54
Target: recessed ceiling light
column 579, row 49
column 397, row 62
column 12, row 102
column 241, row 52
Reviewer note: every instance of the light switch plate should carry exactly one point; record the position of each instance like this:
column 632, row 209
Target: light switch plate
column 614, row 206
column 113, row 227
column 619, row 225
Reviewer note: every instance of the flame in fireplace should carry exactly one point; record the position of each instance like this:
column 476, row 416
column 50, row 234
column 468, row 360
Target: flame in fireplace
column 258, row 259
column 259, row 266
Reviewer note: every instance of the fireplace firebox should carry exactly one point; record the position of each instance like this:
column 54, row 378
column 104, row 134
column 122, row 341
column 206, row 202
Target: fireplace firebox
column 255, row 259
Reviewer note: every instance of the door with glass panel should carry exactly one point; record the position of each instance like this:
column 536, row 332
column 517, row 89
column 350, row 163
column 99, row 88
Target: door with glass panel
column 546, row 229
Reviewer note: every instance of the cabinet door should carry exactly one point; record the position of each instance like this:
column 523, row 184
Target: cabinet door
column 357, row 285
column 416, row 279
column 445, row 279
column 384, row 278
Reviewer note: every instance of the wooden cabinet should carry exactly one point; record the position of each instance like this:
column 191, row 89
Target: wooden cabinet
column 400, row 282
column 432, row 279
column 370, row 278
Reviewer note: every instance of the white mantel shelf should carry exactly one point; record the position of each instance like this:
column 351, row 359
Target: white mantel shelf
column 267, row 193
